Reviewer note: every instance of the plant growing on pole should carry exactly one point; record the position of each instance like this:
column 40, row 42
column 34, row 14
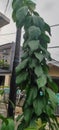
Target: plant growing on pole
column 32, row 72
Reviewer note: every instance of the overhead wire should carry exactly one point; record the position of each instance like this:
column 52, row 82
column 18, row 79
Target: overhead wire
column 53, row 47
column 55, row 25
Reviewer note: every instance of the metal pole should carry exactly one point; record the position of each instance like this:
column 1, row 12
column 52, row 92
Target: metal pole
column 13, row 86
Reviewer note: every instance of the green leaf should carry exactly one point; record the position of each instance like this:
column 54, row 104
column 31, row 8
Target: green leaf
column 13, row 2
column 39, row 56
column 46, row 69
column 40, row 124
column 32, row 63
column 41, row 81
column 38, row 71
column 48, row 55
column 21, row 14
column 49, row 110
column 9, row 126
column 25, row 45
column 35, row 13
column 52, row 84
column 32, row 122
column 42, row 48
column 45, row 38
column 21, row 125
column 21, row 77
column 34, row 33
column 45, row 52
column 28, row 22
column 16, row 4
column 31, row 5
column 28, row 114
column 3, row 127
column 19, row 117
column 39, row 22
column 30, row 128
column 14, row 16
column 44, row 44
column 21, row 66
column 1, row 92
column 32, row 95
column 4, row 119
column 33, row 45
column 24, row 56
column 52, row 97
column 47, row 28
column 38, row 106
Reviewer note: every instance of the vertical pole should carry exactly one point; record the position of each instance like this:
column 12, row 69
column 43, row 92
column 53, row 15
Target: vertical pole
column 13, row 86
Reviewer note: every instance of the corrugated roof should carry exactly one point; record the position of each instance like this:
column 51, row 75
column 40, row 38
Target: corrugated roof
column 3, row 20
column 54, row 62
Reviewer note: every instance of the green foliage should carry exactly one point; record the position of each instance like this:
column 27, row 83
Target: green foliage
column 38, row 21
column 20, row 15
column 38, row 106
column 39, row 56
column 21, row 77
column 41, row 81
column 52, row 85
column 7, row 124
column 33, row 45
column 39, row 125
column 1, row 92
column 34, row 33
column 4, row 65
column 31, row 5
column 47, row 28
column 40, row 72
column 32, row 73
column 20, row 9
column 21, row 66
column 52, row 97
column 27, row 114
column 32, row 95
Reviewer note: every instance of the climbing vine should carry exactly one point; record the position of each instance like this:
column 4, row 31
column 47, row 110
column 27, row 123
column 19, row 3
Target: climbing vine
column 32, row 72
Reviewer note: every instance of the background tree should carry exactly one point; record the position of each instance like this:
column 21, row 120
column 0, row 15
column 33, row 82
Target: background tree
column 32, row 72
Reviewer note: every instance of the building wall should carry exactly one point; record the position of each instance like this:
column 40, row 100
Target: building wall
column 53, row 70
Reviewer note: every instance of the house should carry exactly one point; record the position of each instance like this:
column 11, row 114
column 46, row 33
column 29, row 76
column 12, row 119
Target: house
column 54, row 73
column 3, row 21
column 54, row 70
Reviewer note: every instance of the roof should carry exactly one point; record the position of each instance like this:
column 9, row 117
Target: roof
column 54, row 62
column 3, row 20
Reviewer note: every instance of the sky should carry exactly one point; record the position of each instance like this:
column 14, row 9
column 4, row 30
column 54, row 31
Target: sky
column 48, row 10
